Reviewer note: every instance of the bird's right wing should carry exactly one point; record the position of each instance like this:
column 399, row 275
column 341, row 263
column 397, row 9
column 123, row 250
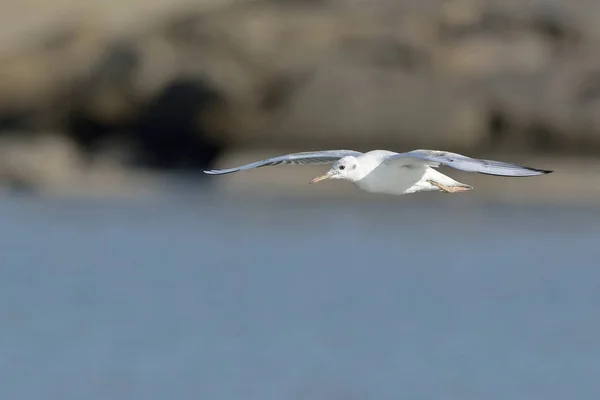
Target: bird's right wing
column 489, row 167
column 309, row 157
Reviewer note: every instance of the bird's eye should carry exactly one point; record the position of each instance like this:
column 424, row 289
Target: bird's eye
column 342, row 167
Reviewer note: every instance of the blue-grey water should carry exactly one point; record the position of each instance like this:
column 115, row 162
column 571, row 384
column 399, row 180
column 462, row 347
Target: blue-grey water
column 222, row 299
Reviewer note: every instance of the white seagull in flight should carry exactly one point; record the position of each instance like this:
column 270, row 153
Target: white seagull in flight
column 382, row 171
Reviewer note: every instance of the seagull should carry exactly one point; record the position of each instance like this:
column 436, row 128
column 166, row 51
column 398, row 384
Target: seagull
column 382, row 171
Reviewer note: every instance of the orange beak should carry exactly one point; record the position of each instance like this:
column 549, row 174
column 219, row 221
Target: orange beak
column 321, row 178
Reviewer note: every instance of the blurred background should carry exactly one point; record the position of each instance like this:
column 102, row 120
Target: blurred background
column 126, row 273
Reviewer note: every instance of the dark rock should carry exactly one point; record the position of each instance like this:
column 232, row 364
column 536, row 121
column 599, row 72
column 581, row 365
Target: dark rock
column 169, row 133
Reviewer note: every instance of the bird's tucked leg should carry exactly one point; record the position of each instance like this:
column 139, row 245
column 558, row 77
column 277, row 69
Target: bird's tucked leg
column 460, row 187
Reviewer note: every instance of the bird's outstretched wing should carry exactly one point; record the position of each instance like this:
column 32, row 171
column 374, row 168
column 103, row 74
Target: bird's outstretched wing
column 309, row 157
column 436, row 158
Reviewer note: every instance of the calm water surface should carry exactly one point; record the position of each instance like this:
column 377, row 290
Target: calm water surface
column 222, row 299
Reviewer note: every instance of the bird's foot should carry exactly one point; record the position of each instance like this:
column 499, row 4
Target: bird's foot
column 451, row 189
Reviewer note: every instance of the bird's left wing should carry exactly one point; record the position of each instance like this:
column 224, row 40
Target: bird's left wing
column 435, row 158
column 309, row 157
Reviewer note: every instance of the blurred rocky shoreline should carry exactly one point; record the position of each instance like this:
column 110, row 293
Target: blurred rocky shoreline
column 107, row 95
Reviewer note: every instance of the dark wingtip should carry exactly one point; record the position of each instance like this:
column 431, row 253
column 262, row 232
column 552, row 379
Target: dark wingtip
column 538, row 173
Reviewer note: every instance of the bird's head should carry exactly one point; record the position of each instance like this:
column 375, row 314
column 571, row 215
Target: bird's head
column 345, row 168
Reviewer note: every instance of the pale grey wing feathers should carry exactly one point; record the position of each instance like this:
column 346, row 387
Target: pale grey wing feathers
column 309, row 157
column 464, row 163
